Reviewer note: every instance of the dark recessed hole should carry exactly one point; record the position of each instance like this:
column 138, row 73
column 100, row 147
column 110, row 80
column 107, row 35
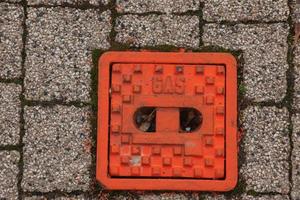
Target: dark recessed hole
column 190, row 119
column 145, row 119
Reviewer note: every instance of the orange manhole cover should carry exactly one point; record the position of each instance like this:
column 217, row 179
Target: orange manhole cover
column 167, row 121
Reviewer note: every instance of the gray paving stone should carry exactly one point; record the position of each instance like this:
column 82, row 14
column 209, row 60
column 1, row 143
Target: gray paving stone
column 264, row 49
column 59, row 50
column 66, row 2
column 244, row 10
column 10, row 108
column 213, row 197
column 57, row 149
column 265, row 197
column 11, row 44
column 266, row 145
column 295, row 11
column 116, row 196
column 295, row 193
column 164, row 196
column 8, row 174
column 12, row 1
column 245, row 197
column 152, row 30
column 35, row 198
column 164, row 6
column 79, row 197
column 297, row 77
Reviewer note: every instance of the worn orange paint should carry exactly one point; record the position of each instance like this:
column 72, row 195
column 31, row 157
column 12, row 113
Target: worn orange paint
column 168, row 159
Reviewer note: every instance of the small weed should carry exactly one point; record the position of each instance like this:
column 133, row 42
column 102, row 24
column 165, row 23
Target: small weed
column 242, row 89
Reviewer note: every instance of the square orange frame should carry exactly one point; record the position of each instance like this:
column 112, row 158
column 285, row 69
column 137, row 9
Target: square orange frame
column 127, row 183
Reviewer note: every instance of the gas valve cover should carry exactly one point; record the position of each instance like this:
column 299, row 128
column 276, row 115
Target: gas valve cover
column 167, row 121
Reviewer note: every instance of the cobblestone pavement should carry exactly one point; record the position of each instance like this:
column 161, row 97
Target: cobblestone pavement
column 48, row 50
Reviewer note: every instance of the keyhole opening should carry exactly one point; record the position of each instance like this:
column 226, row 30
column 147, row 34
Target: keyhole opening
column 145, row 119
column 190, row 119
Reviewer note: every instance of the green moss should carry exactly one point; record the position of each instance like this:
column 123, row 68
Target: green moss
column 116, row 46
column 238, row 190
column 94, row 77
column 242, row 89
column 252, row 193
column 214, row 49
column 121, row 194
column 94, row 104
column 162, row 48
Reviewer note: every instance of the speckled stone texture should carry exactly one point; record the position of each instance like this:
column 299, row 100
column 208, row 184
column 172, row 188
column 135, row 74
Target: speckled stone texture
column 245, row 10
column 11, row 30
column 296, row 157
column 297, row 77
column 152, row 30
column 244, row 197
column 68, row 2
column 163, row 6
column 213, row 197
column 34, row 197
column 267, row 147
column 12, row 1
column 59, row 52
column 57, row 149
column 10, row 108
column 295, row 11
column 264, row 197
column 264, row 49
column 164, row 196
column 8, row 174
column 78, row 197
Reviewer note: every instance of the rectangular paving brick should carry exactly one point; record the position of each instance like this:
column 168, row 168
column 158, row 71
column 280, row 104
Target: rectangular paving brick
column 162, row 196
column 244, row 197
column 35, row 198
column 11, row 44
column 264, row 48
column 153, row 30
column 78, row 197
column 59, row 52
column 164, row 6
column 68, row 2
column 297, row 77
column 266, row 145
column 8, row 174
column 295, row 8
column 10, row 108
column 296, row 157
column 57, row 149
column 264, row 197
column 245, row 10
column 12, row 1
column 213, row 197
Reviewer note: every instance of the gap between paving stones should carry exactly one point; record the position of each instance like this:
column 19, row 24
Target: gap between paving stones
column 109, row 6
column 22, row 98
column 290, row 91
column 81, row 6
column 17, row 81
